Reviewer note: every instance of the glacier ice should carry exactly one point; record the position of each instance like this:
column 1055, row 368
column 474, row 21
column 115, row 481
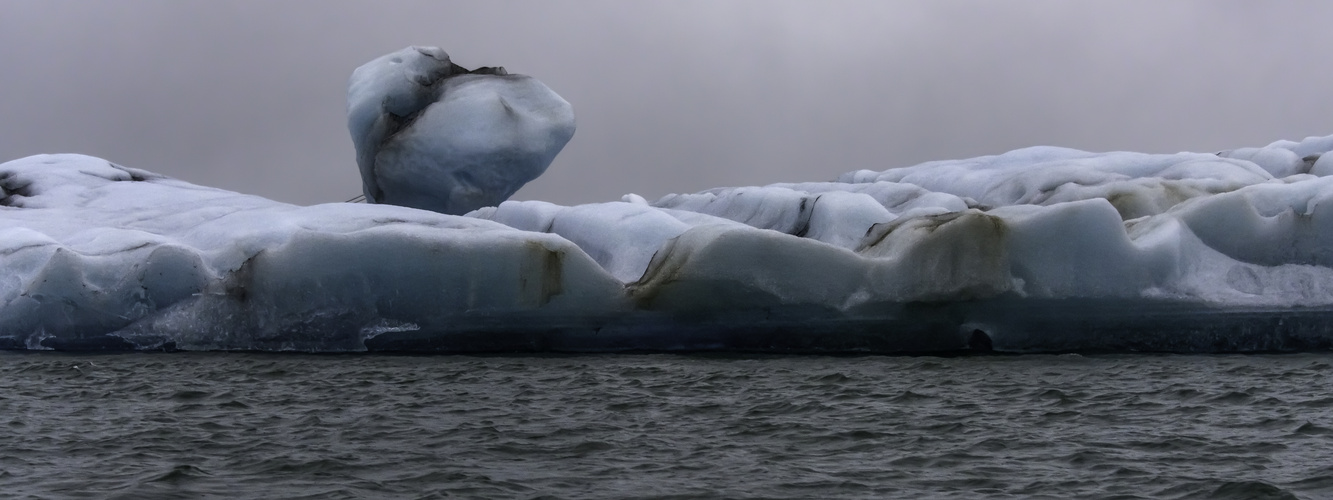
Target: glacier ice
column 1039, row 249
column 90, row 248
column 433, row 135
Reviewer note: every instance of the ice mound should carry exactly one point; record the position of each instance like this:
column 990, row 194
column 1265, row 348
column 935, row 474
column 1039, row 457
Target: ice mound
column 430, row 134
column 90, row 248
column 1040, row 249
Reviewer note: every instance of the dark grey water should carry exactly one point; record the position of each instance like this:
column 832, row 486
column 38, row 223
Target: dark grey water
column 651, row 426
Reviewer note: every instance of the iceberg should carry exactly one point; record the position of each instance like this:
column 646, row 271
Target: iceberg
column 1037, row 250
column 431, row 134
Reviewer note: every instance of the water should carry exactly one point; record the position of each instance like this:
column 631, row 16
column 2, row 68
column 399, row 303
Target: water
column 191, row 425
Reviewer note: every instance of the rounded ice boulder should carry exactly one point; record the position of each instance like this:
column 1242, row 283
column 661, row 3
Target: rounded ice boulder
column 433, row 135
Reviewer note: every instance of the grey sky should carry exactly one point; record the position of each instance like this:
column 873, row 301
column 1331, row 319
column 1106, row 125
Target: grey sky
column 670, row 96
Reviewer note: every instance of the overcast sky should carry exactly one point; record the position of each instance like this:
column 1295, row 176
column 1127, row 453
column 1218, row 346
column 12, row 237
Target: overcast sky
column 674, row 96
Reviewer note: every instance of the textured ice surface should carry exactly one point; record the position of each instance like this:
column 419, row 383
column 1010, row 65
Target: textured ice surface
column 1040, row 249
column 90, row 248
column 430, row 134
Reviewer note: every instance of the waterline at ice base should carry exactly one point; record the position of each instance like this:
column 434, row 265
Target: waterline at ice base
column 1036, row 250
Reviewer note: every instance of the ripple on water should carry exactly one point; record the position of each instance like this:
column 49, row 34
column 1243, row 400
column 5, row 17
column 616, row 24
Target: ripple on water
column 292, row 426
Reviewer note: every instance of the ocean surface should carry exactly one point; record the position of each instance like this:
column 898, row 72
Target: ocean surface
column 218, row 425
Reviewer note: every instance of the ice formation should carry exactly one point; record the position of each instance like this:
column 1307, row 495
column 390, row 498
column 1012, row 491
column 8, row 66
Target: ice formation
column 1039, row 249
column 430, row 134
